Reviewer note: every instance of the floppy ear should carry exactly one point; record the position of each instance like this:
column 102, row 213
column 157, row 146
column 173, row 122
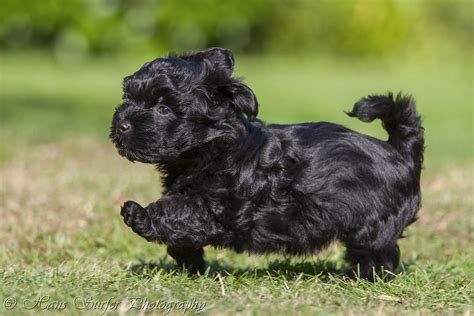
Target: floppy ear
column 218, row 59
column 243, row 99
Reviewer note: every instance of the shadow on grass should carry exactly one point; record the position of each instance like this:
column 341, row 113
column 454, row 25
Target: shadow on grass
column 288, row 269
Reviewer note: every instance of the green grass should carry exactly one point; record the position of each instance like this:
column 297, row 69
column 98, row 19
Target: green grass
column 62, row 185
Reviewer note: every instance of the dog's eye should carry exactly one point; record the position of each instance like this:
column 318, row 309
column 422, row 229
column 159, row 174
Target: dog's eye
column 163, row 110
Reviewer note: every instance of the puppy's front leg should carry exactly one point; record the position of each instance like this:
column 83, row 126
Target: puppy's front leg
column 183, row 224
column 188, row 258
column 138, row 219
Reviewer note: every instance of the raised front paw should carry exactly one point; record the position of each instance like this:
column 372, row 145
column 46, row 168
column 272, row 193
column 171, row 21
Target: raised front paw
column 137, row 218
column 129, row 209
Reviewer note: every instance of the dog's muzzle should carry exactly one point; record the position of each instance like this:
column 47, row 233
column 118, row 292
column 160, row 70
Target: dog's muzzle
column 123, row 127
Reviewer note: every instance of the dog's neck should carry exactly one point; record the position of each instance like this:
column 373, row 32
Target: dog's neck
column 220, row 155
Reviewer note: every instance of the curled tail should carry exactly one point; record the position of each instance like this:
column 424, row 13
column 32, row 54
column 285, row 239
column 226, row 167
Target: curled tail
column 400, row 120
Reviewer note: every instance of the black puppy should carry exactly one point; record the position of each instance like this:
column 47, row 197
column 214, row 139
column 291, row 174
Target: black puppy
column 232, row 181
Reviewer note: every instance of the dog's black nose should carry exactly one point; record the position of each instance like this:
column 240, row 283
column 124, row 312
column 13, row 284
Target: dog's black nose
column 124, row 126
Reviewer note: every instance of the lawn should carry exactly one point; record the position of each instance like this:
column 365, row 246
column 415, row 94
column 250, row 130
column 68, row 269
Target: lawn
column 62, row 238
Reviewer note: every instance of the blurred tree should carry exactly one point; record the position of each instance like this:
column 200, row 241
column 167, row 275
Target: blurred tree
column 453, row 19
column 340, row 28
column 198, row 23
column 350, row 27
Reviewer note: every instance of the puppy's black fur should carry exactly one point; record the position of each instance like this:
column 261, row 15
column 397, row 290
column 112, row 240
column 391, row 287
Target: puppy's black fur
column 232, row 181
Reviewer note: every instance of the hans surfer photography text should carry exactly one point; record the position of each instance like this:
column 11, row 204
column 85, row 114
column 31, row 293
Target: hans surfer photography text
column 122, row 305
column 251, row 157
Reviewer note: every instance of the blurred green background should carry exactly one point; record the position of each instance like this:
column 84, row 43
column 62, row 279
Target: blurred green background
column 62, row 62
column 62, row 182
column 344, row 28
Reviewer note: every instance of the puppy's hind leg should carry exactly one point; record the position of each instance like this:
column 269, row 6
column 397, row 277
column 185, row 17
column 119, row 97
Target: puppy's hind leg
column 369, row 263
column 189, row 258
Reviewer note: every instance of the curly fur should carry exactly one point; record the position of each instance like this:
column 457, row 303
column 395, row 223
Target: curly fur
column 233, row 181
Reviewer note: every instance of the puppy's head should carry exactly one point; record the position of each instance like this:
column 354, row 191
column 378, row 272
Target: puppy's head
column 177, row 103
